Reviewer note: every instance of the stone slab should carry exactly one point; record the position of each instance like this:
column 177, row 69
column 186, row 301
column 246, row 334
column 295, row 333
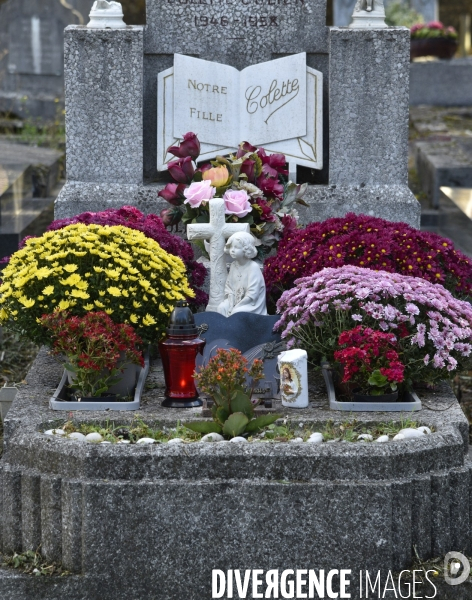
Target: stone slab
column 443, row 163
column 391, row 202
column 441, row 82
column 455, row 216
column 104, row 117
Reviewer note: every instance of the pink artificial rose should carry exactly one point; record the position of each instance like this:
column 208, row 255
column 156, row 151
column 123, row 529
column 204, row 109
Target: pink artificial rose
column 237, row 203
column 198, row 192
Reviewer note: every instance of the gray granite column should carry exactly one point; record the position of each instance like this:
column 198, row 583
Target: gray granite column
column 104, row 116
column 368, row 127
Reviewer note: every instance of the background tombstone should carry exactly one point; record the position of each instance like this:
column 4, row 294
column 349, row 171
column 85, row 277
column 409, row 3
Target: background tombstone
column 32, row 54
column 365, row 102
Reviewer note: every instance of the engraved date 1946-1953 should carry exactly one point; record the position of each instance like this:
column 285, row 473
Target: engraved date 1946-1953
column 204, row 21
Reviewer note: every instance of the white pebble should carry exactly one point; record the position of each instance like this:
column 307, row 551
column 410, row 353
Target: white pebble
column 55, row 432
column 424, row 429
column 366, row 437
column 105, row 442
column 315, row 438
column 145, row 441
column 80, row 437
column 297, row 440
column 239, row 440
column 301, row 425
column 398, row 437
column 332, row 441
column 175, row 441
column 212, row 437
column 382, row 438
column 93, row 437
column 124, row 442
column 411, row 433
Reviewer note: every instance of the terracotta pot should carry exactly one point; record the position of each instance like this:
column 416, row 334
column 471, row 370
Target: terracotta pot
column 439, row 47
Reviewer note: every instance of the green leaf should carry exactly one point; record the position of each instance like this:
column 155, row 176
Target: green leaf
column 70, row 367
column 240, row 402
column 203, row 426
column 261, row 422
column 235, row 424
column 222, row 414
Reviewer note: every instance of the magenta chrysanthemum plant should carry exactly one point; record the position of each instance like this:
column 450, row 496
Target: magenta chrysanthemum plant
column 152, row 227
column 368, row 242
column 433, row 329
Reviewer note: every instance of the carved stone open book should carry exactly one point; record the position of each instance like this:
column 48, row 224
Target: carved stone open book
column 266, row 104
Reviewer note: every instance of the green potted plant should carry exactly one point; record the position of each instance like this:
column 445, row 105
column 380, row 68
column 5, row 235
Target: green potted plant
column 433, row 39
column 223, row 379
column 98, row 354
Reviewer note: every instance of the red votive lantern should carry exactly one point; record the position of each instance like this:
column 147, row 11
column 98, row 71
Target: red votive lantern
column 178, row 352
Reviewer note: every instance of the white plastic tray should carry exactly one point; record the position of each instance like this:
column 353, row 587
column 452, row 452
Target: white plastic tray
column 56, row 403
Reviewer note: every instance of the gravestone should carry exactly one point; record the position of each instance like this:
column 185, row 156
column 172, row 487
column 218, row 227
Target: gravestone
column 32, row 54
column 112, row 101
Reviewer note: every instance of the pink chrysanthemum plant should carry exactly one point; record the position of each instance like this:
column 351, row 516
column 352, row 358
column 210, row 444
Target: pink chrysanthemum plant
column 433, row 329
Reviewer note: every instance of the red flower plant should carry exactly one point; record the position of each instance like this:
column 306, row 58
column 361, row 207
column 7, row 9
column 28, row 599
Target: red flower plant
column 370, row 359
column 95, row 347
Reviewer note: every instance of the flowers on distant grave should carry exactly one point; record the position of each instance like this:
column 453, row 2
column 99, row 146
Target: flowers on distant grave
column 153, row 227
column 433, row 329
column 367, row 242
column 370, row 359
column 95, row 347
column 433, row 29
column 223, row 379
column 82, row 268
column 252, row 183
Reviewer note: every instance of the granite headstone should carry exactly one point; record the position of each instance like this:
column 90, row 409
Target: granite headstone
column 32, row 53
column 112, row 154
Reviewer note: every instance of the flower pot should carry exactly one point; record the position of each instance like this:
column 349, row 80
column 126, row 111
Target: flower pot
column 125, row 386
column 359, row 397
column 440, row 47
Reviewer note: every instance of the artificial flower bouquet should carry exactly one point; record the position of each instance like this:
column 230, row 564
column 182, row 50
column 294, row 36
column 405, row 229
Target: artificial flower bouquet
column 432, row 30
column 251, row 183
column 96, row 349
column 370, row 361
column 83, row 268
column 433, row 330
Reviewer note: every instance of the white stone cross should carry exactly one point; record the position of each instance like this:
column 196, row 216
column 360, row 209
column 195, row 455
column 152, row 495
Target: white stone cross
column 216, row 231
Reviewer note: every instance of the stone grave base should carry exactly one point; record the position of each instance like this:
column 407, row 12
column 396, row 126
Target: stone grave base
column 391, row 202
column 153, row 521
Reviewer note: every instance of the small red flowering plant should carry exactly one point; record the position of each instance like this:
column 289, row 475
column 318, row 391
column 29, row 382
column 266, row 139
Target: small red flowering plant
column 370, row 359
column 251, row 182
column 224, row 379
column 95, row 348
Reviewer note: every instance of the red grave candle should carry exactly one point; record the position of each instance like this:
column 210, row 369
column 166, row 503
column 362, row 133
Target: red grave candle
column 178, row 352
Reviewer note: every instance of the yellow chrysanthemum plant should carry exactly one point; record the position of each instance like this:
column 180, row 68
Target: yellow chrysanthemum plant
column 83, row 268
